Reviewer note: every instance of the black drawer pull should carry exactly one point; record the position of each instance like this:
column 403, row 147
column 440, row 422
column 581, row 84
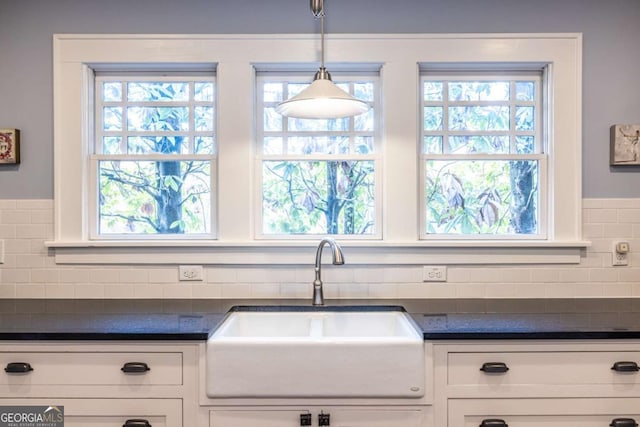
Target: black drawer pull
column 494, row 368
column 625, row 367
column 136, row 423
column 493, row 422
column 135, row 368
column 623, row 422
column 324, row 419
column 18, row 368
column 305, row 420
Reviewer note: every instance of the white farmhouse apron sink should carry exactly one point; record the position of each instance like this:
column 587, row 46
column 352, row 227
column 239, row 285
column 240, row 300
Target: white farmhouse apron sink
column 316, row 354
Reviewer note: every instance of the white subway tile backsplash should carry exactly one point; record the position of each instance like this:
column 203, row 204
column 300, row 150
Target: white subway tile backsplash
column 31, row 231
column 30, row 270
column 590, row 216
column 133, row 276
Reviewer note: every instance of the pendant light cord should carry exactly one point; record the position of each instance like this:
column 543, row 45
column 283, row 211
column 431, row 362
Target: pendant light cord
column 322, row 39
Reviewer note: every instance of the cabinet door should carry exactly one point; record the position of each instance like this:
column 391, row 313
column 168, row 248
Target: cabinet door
column 543, row 412
column 111, row 412
column 338, row 417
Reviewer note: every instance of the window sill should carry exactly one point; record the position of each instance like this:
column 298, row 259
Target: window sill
column 303, row 252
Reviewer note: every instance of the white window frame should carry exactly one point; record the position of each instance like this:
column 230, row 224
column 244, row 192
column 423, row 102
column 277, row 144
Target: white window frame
column 375, row 157
column 497, row 72
column 234, row 58
column 98, row 156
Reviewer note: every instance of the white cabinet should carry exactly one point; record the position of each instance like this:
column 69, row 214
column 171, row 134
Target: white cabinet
column 525, row 383
column 102, row 383
column 112, row 412
column 318, row 417
column 544, row 412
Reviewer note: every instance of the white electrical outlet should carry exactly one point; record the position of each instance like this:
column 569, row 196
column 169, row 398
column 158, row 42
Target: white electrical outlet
column 190, row 273
column 620, row 255
column 431, row 273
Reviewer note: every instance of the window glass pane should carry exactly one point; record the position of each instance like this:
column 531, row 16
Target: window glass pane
column 318, row 125
column 364, row 91
column 479, row 118
column 432, row 144
column 148, row 197
column 525, row 145
column 112, row 118
column 204, row 145
column 273, row 92
column 203, row 118
column 272, row 145
column 317, row 145
column 272, row 120
column 525, row 91
column 318, row 197
column 157, row 118
column 524, row 118
column 433, row 118
column 157, row 91
column 112, row 91
column 203, row 91
column 482, row 196
column 478, row 91
column 468, row 144
column 364, row 144
column 364, row 122
column 157, row 144
column 111, row 145
column 432, row 91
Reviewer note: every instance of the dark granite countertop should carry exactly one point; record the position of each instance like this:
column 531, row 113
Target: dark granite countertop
column 163, row 321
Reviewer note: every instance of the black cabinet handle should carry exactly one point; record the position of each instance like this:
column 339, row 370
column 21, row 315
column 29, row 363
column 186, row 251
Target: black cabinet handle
column 135, row 368
column 623, row 422
column 18, row 368
column 494, row 368
column 136, row 423
column 625, row 367
column 493, row 422
column 305, row 420
column 324, row 419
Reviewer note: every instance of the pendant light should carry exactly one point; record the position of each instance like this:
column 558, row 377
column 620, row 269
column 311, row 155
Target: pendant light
column 322, row 99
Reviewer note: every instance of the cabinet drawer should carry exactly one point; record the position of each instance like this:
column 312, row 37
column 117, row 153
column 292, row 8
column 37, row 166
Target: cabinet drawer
column 543, row 412
column 338, row 417
column 90, row 368
column 542, row 368
column 111, row 412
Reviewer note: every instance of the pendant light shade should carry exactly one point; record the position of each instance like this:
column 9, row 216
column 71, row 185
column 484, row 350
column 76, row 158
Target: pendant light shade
column 322, row 99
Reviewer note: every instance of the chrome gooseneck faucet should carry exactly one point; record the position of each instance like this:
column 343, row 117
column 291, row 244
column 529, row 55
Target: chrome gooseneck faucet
column 338, row 259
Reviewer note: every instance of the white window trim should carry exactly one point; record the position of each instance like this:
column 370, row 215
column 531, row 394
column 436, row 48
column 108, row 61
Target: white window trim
column 234, row 57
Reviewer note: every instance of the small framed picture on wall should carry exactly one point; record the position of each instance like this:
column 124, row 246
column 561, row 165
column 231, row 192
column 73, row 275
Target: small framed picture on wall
column 625, row 145
column 9, row 146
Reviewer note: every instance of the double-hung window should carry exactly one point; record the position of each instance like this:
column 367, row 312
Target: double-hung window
column 483, row 156
column 318, row 177
column 154, row 156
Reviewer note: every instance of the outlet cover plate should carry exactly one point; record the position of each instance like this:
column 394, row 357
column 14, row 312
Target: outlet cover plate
column 188, row 273
column 434, row 273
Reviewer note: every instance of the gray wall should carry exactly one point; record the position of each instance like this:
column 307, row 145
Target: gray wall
column 611, row 79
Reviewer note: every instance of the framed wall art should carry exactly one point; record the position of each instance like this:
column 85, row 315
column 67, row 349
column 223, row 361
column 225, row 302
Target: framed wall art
column 9, row 146
column 625, row 145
